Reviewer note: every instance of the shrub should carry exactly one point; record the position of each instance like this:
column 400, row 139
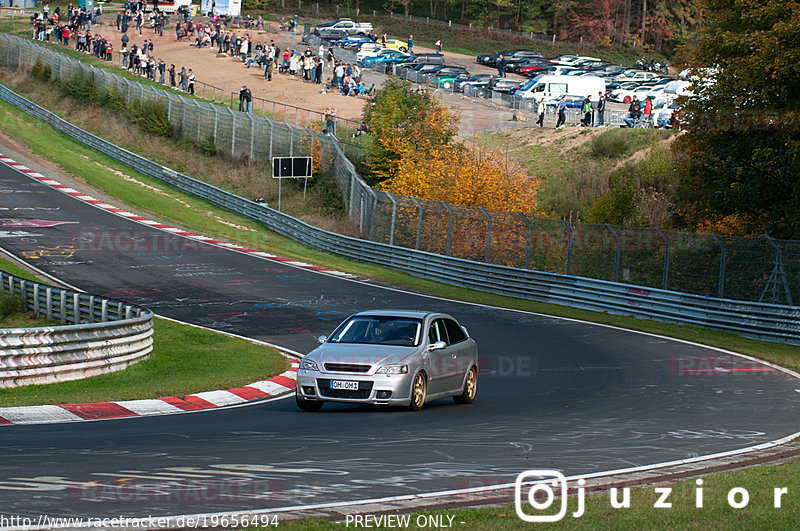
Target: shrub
column 9, row 305
column 611, row 144
column 41, row 71
column 152, row 116
column 617, row 207
column 112, row 99
column 81, row 87
column 207, row 146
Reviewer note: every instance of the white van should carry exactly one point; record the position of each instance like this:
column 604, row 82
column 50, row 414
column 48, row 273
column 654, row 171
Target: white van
column 549, row 87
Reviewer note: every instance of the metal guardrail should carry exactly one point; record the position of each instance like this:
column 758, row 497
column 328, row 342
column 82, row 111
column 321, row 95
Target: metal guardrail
column 106, row 335
column 772, row 322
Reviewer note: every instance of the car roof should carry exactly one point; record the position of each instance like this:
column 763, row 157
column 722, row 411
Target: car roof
column 412, row 314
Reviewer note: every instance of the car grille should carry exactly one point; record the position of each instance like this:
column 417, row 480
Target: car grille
column 347, row 367
column 363, row 392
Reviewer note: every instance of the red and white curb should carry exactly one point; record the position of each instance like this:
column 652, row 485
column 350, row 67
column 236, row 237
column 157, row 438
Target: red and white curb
column 155, row 224
column 168, row 405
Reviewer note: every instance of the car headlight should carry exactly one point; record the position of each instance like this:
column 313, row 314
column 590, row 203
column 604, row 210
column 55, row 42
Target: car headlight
column 393, row 369
column 308, row 365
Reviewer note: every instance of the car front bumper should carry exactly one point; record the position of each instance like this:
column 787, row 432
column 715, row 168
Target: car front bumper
column 386, row 389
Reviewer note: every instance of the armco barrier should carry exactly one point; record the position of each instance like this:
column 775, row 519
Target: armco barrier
column 772, row 322
column 106, row 335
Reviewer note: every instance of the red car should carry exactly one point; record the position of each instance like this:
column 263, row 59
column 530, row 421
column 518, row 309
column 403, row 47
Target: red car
column 532, row 69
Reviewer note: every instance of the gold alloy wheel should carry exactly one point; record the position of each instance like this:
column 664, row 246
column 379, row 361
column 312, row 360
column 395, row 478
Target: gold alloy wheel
column 418, row 400
column 472, row 384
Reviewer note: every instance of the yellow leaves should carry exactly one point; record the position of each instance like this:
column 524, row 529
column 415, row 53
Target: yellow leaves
column 463, row 176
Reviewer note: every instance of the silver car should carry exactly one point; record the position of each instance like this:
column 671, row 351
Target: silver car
column 398, row 358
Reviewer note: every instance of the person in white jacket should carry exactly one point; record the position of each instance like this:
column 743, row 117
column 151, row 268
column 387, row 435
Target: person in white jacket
column 541, row 109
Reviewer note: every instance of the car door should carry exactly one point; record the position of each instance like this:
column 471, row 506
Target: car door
column 443, row 363
column 464, row 350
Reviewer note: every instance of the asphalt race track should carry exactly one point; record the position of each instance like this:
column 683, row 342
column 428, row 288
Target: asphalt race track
column 553, row 393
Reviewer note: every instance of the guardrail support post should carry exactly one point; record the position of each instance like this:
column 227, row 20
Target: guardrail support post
column 419, row 221
column 569, row 245
column 527, row 240
column 665, row 281
column 617, row 251
column 487, row 258
column 449, row 227
column 722, row 253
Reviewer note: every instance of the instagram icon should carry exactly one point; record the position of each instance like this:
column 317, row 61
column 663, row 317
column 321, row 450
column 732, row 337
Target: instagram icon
column 545, row 487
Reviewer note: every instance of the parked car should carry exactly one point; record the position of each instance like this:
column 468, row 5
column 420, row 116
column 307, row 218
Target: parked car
column 448, row 81
column 488, row 59
column 476, row 80
column 368, row 49
column 441, row 70
column 622, row 95
column 533, row 69
column 505, row 84
column 548, row 87
column 639, row 76
column 397, row 44
column 330, row 34
column 399, row 358
column 348, row 25
column 351, row 40
column 386, row 56
column 519, row 57
column 573, row 101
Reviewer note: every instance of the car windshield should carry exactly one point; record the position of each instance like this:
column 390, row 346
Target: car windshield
column 379, row 330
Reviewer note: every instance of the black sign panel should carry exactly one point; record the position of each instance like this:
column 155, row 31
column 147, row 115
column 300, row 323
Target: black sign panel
column 291, row 167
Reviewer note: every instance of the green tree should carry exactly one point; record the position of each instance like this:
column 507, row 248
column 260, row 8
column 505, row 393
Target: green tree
column 739, row 162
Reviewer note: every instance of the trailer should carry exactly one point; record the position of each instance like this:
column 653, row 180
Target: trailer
column 231, row 8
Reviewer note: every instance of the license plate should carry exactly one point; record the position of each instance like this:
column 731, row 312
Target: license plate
column 339, row 384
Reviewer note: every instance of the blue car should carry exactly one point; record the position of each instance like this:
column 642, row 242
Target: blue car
column 351, row 40
column 393, row 56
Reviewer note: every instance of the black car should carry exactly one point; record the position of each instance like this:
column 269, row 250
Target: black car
column 442, row 70
column 519, row 57
column 331, row 34
column 476, row 80
column 490, row 58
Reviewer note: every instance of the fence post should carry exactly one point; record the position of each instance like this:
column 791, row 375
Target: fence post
column 216, row 123
column 722, row 253
column 252, row 142
column 394, row 217
column 449, row 227
column 169, row 109
column 419, row 221
column 569, row 245
column 197, row 106
column 667, row 244
column 527, row 240
column 617, row 251
column 233, row 134
column 488, row 234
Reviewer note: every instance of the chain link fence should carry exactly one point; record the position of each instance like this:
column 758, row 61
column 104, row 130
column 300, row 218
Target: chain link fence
column 752, row 269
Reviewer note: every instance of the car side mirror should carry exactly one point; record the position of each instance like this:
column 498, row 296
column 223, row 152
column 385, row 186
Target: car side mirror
column 439, row 345
column 322, row 339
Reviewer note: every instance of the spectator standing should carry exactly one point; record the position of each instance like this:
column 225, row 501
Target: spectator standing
column 586, row 109
column 184, row 79
column 648, row 108
column 328, row 121
column 269, row 69
column 191, row 82
column 501, row 66
column 439, row 46
column 541, row 109
column 562, row 112
column 245, row 100
column 601, row 109
column 410, row 44
column 171, row 76
column 162, row 67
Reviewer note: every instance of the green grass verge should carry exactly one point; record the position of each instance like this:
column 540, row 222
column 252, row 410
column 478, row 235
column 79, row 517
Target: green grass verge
column 185, row 360
column 715, row 513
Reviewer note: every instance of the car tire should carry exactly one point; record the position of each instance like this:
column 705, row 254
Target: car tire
column 467, row 395
column 419, row 392
column 447, row 85
column 530, row 105
column 403, row 49
column 308, row 405
column 482, row 93
column 626, row 99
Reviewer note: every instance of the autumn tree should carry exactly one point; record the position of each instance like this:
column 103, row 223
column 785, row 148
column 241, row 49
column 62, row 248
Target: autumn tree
column 404, row 120
column 740, row 160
